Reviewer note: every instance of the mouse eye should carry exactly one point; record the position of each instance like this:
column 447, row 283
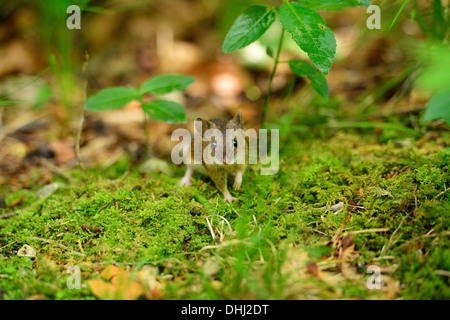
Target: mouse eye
column 213, row 144
column 235, row 143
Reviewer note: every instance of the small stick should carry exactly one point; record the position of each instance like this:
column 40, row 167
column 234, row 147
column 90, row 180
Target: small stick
column 319, row 232
column 80, row 246
column 389, row 244
column 56, row 243
column 223, row 244
column 8, row 215
column 369, row 230
column 442, row 273
column 287, row 211
column 440, row 194
column 210, row 228
column 229, row 225
column 8, row 244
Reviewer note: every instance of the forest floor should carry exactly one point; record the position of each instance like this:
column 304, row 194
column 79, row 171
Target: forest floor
column 345, row 203
column 359, row 208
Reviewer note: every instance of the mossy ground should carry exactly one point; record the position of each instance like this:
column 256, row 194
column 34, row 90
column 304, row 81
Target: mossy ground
column 395, row 210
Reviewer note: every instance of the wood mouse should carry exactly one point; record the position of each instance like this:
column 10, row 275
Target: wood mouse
column 217, row 163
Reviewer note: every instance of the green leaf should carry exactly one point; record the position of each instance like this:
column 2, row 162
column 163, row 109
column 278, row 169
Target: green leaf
column 436, row 60
column 248, row 27
column 318, row 81
column 438, row 107
column 331, row 5
column 166, row 83
column 166, row 111
column 111, row 98
column 269, row 52
column 310, row 32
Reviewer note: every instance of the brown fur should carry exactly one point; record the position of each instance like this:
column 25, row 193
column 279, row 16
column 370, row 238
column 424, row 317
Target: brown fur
column 219, row 172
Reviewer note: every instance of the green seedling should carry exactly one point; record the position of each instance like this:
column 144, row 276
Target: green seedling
column 307, row 28
column 157, row 109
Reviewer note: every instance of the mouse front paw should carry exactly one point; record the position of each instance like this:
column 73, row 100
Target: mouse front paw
column 237, row 181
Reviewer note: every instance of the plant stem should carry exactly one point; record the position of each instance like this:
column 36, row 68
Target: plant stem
column 269, row 90
column 81, row 123
column 147, row 137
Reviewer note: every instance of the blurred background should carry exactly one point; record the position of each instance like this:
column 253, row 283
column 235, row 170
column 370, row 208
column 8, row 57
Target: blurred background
column 373, row 79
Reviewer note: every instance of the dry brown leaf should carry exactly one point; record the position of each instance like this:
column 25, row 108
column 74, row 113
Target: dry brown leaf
column 18, row 56
column 126, row 288
column 389, row 287
column 295, row 263
column 101, row 289
column 327, row 277
column 36, row 297
column 347, row 255
column 348, row 242
column 63, row 150
column 16, row 202
column 153, row 286
column 111, row 271
column 121, row 287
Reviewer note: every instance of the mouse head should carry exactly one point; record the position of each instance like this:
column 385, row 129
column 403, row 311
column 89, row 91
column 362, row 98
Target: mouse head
column 223, row 142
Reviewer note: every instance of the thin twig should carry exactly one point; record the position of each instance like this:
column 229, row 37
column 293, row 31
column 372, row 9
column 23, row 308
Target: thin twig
column 287, row 211
column 389, row 244
column 8, row 215
column 223, row 244
column 80, row 246
column 58, row 244
column 210, row 228
column 442, row 233
column 440, row 194
column 369, row 230
column 9, row 244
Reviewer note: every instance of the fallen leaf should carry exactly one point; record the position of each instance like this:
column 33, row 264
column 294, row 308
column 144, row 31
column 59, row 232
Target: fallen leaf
column 295, row 264
column 111, row 271
column 26, row 251
column 47, row 190
column 347, row 255
column 36, row 297
column 148, row 277
column 63, row 150
column 16, row 202
column 389, row 287
column 347, row 242
column 126, row 288
column 122, row 286
column 211, row 267
column 101, row 289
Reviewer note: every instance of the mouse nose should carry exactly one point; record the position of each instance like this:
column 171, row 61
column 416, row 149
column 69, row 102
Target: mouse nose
column 225, row 160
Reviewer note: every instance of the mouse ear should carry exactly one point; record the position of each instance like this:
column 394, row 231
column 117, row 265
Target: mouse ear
column 201, row 125
column 237, row 121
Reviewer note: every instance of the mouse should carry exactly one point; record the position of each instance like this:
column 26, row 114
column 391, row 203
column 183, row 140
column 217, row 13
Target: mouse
column 217, row 163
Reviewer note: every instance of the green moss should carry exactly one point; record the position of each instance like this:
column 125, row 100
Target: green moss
column 392, row 185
